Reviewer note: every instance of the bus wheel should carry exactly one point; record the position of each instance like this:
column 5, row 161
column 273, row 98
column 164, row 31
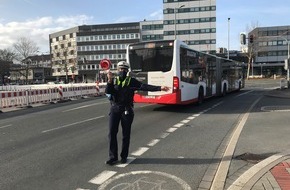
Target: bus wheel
column 240, row 86
column 200, row 96
column 224, row 90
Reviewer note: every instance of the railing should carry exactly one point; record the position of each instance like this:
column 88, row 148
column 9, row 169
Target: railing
column 26, row 95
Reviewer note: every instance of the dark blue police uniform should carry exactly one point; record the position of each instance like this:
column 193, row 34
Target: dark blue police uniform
column 121, row 97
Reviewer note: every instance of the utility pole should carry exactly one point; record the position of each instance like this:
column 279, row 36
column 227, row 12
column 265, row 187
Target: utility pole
column 175, row 10
column 229, row 38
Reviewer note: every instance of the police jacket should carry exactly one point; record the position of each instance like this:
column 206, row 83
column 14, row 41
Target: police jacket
column 122, row 92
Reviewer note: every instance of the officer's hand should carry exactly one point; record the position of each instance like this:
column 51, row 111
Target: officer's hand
column 165, row 88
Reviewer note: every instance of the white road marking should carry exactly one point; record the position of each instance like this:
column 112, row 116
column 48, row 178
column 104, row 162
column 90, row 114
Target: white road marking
column 178, row 125
column 153, row 142
column 140, row 151
column 222, row 171
column 243, row 93
column 81, row 107
column 105, row 176
column 164, row 135
column 170, row 130
column 102, row 177
column 129, row 160
column 76, row 123
column 82, row 189
column 217, row 104
column 5, row 126
column 183, row 184
column 185, row 121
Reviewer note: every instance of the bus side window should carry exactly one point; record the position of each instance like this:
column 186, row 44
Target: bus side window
column 193, row 78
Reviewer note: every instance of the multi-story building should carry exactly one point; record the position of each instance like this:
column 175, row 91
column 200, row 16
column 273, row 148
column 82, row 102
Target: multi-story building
column 193, row 22
column 270, row 46
column 34, row 69
column 106, row 41
column 63, row 48
column 151, row 30
column 77, row 52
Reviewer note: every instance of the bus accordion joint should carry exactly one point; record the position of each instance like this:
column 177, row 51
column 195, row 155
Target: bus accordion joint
column 175, row 84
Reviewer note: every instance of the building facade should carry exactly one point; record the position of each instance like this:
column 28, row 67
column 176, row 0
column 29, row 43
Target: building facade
column 193, row 22
column 34, row 69
column 63, row 48
column 77, row 52
column 270, row 46
column 106, row 41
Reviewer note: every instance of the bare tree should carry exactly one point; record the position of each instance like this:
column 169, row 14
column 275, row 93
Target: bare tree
column 7, row 55
column 25, row 47
column 251, row 48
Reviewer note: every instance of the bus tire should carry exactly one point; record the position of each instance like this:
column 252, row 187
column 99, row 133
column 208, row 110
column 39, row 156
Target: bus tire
column 240, row 86
column 224, row 90
column 200, row 96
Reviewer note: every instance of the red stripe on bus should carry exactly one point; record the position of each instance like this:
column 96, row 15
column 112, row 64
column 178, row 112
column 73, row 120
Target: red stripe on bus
column 173, row 98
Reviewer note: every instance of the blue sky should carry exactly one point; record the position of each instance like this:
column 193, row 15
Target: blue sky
column 36, row 19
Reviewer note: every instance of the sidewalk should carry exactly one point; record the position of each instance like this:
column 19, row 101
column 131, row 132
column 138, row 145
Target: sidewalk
column 272, row 173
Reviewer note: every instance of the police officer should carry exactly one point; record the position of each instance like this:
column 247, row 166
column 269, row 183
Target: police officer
column 120, row 91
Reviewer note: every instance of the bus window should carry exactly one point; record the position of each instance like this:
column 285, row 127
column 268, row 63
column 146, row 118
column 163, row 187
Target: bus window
column 155, row 59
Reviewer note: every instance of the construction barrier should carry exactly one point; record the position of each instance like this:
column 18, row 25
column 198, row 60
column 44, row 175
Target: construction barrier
column 25, row 96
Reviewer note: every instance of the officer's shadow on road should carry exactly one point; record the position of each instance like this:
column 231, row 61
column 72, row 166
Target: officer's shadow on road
column 176, row 161
column 247, row 157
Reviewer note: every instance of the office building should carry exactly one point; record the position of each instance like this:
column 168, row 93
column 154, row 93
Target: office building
column 77, row 52
column 270, row 46
column 193, row 22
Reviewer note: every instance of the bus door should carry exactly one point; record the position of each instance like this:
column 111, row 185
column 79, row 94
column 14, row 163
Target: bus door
column 210, row 76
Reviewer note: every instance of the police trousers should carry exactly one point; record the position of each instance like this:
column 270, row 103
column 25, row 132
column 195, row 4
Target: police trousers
column 117, row 115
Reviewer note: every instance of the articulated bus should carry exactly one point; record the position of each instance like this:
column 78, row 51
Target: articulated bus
column 192, row 75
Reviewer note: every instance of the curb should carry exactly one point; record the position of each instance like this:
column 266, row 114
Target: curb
column 251, row 176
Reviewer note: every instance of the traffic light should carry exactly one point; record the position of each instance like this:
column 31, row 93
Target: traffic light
column 243, row 39
column 251, row 38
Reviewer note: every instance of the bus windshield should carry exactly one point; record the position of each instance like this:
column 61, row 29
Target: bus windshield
column 155, row 58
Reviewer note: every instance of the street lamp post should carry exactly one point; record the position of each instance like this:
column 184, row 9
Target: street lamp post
column 288, row 55
column 229, row 38
column 261, row 70
column 175, row 10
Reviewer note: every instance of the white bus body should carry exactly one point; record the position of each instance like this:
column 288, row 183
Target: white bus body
column 192, row 75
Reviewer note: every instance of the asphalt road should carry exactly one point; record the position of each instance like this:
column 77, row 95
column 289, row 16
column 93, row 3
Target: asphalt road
column 64, row 146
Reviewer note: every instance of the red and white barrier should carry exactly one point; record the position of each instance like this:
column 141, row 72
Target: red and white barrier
column 53, row 93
